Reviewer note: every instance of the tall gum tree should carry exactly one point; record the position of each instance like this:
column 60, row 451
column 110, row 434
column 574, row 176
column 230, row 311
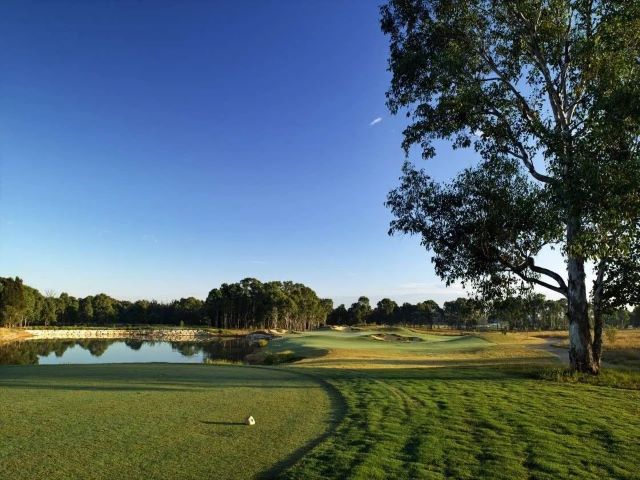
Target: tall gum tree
column 546, row 92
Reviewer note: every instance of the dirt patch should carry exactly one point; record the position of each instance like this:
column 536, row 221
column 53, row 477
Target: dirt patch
column 11, row 335
column 551, row 345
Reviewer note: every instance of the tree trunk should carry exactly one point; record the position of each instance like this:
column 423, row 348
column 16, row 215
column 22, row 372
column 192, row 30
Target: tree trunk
column 580, row 346
column 598, row 320
column 598, row 323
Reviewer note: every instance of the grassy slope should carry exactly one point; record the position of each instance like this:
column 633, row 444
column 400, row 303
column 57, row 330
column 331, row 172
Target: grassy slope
column 360, row 350
column 154, row 421
column 364, row 340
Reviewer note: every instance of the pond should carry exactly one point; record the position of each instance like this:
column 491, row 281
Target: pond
column 52, row 352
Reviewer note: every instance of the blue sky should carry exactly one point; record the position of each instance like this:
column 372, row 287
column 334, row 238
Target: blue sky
column 158, row 149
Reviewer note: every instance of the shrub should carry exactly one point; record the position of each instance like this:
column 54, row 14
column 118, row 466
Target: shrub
column 610, row 334
column 608, row 377
column 278, row 358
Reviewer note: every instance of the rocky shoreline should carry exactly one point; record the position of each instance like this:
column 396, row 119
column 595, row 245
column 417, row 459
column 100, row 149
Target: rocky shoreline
column 140, row 334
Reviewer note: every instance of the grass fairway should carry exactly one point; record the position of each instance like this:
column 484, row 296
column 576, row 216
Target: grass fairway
column 376, row 348
column 322, row 341
column 155, row 421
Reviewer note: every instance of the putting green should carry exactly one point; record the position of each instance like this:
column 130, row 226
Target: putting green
column 159, row 421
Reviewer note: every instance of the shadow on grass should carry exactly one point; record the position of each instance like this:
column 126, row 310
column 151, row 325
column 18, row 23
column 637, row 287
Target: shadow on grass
column 338, row 411
column 450, row 373
column 434, row 363
column 170, row 387
column 623, row 357
column 146, row 378
column 206, row 422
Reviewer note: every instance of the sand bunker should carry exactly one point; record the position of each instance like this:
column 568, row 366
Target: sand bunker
column 392, row 337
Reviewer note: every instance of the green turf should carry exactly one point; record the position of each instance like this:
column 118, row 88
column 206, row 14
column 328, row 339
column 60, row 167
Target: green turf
column 177, row 421
column 318, row 343
column 155, row 421
column 476, row 423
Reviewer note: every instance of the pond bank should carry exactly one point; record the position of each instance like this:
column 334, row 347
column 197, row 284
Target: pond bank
column 140, row 334
column 11, row 335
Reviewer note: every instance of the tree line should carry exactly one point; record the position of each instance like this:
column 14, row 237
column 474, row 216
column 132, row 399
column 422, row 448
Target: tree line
column 530, row 312
column 248, row 304
column 252, row 304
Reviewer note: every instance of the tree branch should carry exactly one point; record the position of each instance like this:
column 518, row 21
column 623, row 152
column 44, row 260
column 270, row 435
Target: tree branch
column 541, row 283
column 524, row 106
column 556, row 99
column 522, row 153
column 549, row 273
column 599, row 282
column 529, row 264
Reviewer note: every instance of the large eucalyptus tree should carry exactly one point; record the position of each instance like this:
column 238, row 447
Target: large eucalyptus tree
column 548, row 94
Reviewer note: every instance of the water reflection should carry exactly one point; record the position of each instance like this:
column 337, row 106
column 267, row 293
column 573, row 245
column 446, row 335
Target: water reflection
column 56, row 351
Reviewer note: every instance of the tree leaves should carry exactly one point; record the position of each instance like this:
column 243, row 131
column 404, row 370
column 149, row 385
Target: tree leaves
column 554, row 87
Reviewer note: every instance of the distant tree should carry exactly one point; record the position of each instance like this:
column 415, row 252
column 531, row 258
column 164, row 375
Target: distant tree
column 407, row 314
column 188, row 310
column 68, row 310
column 104, row 309
column 464, row 312
column 86, row 310
column 618, row 318
column 327, row 305
column 429, row 312
column 360, row 311
column 384, row 311
column 554, row 315
column 634, row 318
column 509, row 311
column 339, row 316
column 253, row 304
column 49, row 312
column 535, row 305
column 13, row 304
column 454, row 312
column 548, row 94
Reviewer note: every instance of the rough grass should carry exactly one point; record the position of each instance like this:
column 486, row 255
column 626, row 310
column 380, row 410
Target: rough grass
column 12, row 334
column 608, row 377
column 623, row 352
column 155, row 421
column 473, row 423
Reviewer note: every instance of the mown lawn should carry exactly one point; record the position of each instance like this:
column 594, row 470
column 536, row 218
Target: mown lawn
column 485, row 418
column 476, row 423
column 370, row 339
column 155, row 421
column 364, row 349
